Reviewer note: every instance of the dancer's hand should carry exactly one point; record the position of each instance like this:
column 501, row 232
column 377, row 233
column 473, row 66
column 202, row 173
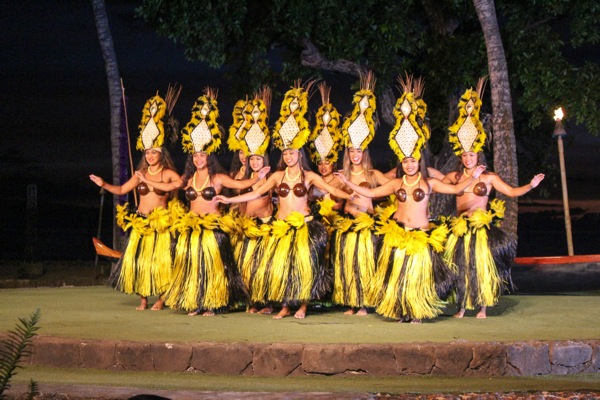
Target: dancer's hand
column 340, row 175
column 97, row 180
column 478, row 171
column 141, row 176
column 535, row 181
column 221, row 199
column 263, row 172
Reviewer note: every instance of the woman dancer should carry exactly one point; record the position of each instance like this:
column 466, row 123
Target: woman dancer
column 254, row 142
column 145, row 267
column 288, row 266
column 205, row 277
column 353, row 242
column 324, row 146
column 481, row 252
column 411, row 279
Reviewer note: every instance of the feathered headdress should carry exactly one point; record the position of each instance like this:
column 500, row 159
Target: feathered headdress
column 254, row 138
column 359, row 129
column 156, row 114
column 467, row 134
column 291, row 129
column 241, row 121
column 326, row 138
column 410, row 133
column 202, row 133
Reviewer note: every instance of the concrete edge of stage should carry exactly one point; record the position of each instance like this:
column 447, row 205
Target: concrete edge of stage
column 453, row 359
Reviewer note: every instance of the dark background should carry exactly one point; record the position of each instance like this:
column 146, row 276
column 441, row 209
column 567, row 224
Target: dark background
column 55, row 131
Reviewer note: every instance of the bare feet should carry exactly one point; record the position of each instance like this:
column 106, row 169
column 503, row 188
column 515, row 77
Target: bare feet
column 460, row 313
column 195, row 312
column 362, row 311
column 285, row 311
column 349, row 312
column 301, row 313
column 266, row 311
column 158, row 305
column 415, row 321
column 208, row 313
column 482, row 313
column 251, row 310
column 143, row 304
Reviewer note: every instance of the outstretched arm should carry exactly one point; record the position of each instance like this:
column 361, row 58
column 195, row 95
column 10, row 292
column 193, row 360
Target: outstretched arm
column 380, row 191
column 253, row 195
column 510, row 191
column 319, row 182
column 446, row 188
column 231, row 183
column 114, row 189
column 175, row 182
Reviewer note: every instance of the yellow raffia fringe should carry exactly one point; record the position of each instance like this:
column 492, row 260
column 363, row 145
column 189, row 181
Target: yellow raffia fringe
column 197, row 237
column 488, row 280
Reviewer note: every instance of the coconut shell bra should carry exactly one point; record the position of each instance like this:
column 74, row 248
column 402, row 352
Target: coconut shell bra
column 207, row 192
column 143, row 188
column 299, row 189
column 418, row 194
column 480, row 188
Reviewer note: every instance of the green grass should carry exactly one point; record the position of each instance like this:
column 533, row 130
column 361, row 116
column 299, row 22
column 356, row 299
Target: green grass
column 102, row 313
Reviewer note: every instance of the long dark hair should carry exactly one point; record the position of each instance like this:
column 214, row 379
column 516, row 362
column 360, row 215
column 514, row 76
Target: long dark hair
column 303, row 160
column 248, row 172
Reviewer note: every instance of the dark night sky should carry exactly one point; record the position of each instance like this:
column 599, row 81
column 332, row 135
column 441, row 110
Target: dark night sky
column 55, row 110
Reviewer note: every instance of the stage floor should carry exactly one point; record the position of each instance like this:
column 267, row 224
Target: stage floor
column 94, row 336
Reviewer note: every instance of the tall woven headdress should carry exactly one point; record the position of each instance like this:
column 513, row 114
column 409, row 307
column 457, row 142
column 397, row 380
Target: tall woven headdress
column 202, row 133
column 410, row 133
column 467, row 133
column 291, row 129
column 326, row 137
column 254, row 136
column 359, row 129
column 157, row 120
column 241, row 122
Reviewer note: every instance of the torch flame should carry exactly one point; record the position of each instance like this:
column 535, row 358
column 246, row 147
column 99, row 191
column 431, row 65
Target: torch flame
column 558, row 114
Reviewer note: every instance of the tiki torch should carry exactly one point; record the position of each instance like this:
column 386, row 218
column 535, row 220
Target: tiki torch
column 559, row 132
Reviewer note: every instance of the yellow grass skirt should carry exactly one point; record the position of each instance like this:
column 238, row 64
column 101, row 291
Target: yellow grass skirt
column 204, row 273
column 145, row 268
column 481, row 255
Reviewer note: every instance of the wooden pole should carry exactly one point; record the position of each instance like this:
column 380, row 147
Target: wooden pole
column 565, row 195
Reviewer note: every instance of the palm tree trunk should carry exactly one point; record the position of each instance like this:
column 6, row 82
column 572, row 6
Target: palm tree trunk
column 504, row 144
column 115, row 98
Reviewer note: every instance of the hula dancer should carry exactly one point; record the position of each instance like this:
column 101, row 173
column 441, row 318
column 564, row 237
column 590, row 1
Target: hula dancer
column 479, row 250
column 288, row 266
column 411, row 279
column 145, row 266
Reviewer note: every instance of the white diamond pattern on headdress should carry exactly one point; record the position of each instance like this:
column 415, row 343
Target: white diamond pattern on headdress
column 254, row 138
column 201, row 136
column 324, row 143
column 358, row 131
column 407, row 138
column 289, row 130
column 467, row 134
column 150, row 131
